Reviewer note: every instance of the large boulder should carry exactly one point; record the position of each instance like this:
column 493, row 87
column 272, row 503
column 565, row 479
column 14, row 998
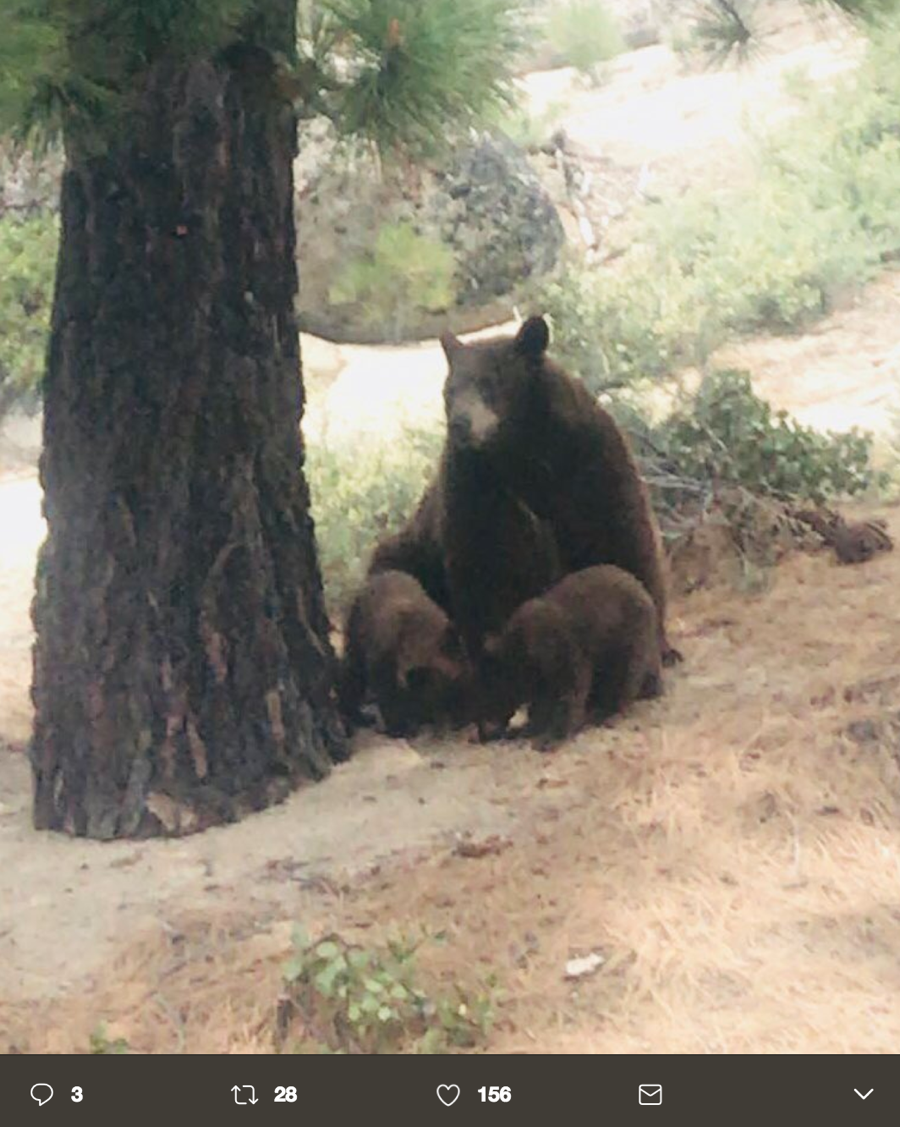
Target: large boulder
column 388, row 254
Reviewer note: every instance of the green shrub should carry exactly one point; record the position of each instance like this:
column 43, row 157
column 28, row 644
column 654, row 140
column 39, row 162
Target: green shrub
column 583, row 34
column 403, row 274
column 27, row 266
column 618, row 327
column 727, row 434
column 771, row 252
column 362, row 491
column 351, row 999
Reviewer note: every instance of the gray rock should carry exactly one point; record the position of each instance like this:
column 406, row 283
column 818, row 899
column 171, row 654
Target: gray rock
column 483, row 202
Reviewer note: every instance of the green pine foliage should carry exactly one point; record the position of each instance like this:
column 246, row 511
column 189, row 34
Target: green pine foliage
column 399, row 72
column 722, row 29
column 402, row 74
column 396, row 72
column 82, row 58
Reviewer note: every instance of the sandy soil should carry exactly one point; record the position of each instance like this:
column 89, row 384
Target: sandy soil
column 689, row 125
column 844, row 373
column 732, row 852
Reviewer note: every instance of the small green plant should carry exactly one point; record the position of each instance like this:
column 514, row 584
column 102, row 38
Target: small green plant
column 27, row 264
column 101, row 1045
column 361, row 492
column 350, row 999
column 583, row 34
column 727, row 434
column 403, row 274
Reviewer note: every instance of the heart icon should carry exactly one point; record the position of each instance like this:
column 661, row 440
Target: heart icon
column 448, row 1094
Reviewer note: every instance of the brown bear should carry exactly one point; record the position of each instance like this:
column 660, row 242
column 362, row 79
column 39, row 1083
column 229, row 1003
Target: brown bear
column 497, row 553
column 402, row 652
column 417, row 548
column 590, row 645
column 476, row 548
column 558, row 451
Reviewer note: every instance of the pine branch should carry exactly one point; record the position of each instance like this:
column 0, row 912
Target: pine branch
column 723, row 30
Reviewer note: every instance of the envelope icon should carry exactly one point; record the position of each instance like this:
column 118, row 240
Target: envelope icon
column 650, row 1094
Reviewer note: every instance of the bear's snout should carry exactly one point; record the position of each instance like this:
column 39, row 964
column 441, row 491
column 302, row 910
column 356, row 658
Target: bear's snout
column 470, row 421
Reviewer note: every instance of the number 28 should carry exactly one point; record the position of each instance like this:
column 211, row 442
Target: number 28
column 495, row 1095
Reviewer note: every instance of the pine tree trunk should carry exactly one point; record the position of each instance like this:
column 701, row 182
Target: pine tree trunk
column 183, row 674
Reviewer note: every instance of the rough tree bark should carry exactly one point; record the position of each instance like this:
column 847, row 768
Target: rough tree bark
column 182, row 667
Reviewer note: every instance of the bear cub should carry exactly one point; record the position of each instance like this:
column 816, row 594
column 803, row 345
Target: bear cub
column 401, row 652
column 588, row 647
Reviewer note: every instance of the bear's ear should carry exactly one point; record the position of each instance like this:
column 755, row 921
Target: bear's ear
column 533, row 337
column 450, row 344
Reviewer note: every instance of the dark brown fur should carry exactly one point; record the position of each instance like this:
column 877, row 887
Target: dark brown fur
column 588, row 646
column 558, row 451
column 476, row 548
column 417, row 549
column 497, row 553
column 402, row 652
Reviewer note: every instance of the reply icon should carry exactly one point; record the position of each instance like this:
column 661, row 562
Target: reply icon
column 42, row 1093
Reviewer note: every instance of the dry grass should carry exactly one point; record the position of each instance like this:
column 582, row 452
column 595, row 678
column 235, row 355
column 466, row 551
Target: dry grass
column 733, row 851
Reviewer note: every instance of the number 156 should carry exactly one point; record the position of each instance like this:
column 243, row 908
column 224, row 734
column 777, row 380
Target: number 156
column 495, row 1095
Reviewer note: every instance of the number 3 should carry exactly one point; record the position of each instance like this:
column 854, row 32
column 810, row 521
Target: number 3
column 77, row 1095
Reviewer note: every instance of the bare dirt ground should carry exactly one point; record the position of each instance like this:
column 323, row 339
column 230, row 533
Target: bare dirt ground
column 845, row 372
column 732, row 852
column 686, row 123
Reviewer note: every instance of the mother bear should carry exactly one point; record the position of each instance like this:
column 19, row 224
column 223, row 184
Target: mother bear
column 552, row 447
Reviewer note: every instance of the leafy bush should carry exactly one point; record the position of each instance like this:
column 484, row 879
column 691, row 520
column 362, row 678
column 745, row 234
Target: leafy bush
column 27, row 265
column 350, row 999
column 771, row 253
column 362, row 491
column 618, row 327
column 722, row 435
column 404, row 272
column 727, row 434
column 583, row 34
